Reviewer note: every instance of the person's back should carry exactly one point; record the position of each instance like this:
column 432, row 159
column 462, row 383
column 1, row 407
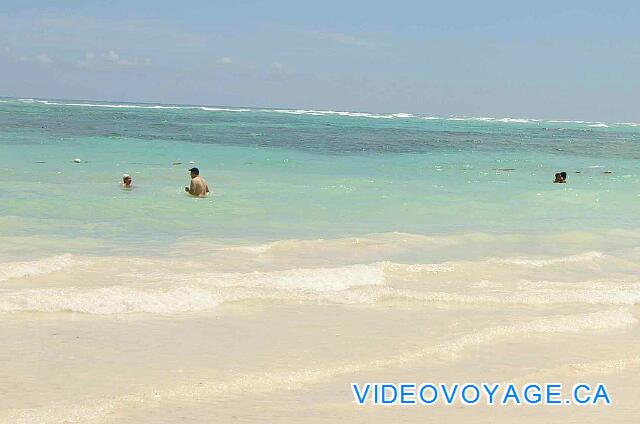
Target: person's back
column 198, row 186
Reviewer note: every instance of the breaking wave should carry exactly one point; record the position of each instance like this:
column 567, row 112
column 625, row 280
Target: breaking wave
column 10, row 270
column 361, row 284
column 192, row 292
column 538, row 263
column 313, row 112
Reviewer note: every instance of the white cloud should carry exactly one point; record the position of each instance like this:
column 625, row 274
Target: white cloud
column 225, row 61
column 40, row 58
column 88, row 61
column 43, row 58
column 115, row 58
column 54, row 29
column 344, row 39
column 110, row 59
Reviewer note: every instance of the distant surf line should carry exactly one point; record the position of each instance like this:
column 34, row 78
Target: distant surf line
column 314, row 112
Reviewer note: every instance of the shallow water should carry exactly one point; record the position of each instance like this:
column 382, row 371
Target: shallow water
column 335, row 247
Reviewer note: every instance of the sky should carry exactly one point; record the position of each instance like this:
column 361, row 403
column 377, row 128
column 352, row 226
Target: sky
column 543, row 59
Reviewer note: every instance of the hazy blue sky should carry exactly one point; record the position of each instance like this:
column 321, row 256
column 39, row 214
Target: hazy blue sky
column 546, row 59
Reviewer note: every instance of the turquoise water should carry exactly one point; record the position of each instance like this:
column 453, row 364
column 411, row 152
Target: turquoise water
column 336, row 247
column 283, row 174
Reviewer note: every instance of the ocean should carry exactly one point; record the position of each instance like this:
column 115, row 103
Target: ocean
column 335, row 247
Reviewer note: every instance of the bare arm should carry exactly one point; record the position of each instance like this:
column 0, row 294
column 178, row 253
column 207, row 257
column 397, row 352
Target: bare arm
column 192, row 188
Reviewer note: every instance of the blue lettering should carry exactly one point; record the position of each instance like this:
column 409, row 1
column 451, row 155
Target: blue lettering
column 465, row 389
column 576, row 393
column 449, row 396
column 356, row 391
column 433, row 389
column 491, row 393
column 533, row 398
column 554, row 394
column 385, row 389
column 601, row 392
column 511, row 394
column 407, row 390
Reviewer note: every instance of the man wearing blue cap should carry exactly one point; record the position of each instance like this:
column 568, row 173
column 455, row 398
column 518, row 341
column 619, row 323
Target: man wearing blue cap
column 198, row 186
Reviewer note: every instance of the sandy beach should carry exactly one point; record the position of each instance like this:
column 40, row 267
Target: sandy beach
column 234, row 335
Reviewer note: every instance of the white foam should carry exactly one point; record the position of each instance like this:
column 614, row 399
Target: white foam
column 9, row 270
column 166, row 293
column 330, row 112
column 135, row 106
column 582, row 369
column 311, row 279
column 108, row 300
column 376, row 242
column 561, row 121
column 339, row 286
column 223, row 109
column 419, row 268
column 610, row 366
column 112, row 106
column 548, row 325
column 182, row 299
column 531, row 294
column 312, row 112
column 517, row 120
column 492, row 119
column 193, row 292
column 314, row 279
column 538, row 263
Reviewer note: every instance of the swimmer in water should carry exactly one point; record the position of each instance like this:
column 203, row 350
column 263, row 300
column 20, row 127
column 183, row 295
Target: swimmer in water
column 126, row 181
column 198, row 186
column 559, row 178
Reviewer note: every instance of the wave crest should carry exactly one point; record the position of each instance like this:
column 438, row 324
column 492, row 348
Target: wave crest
column 10, row 270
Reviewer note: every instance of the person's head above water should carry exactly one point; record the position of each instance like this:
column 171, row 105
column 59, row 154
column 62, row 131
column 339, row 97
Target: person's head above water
column 564, row 176
column 559, row 178
column 126, row 180
column 194, row 172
